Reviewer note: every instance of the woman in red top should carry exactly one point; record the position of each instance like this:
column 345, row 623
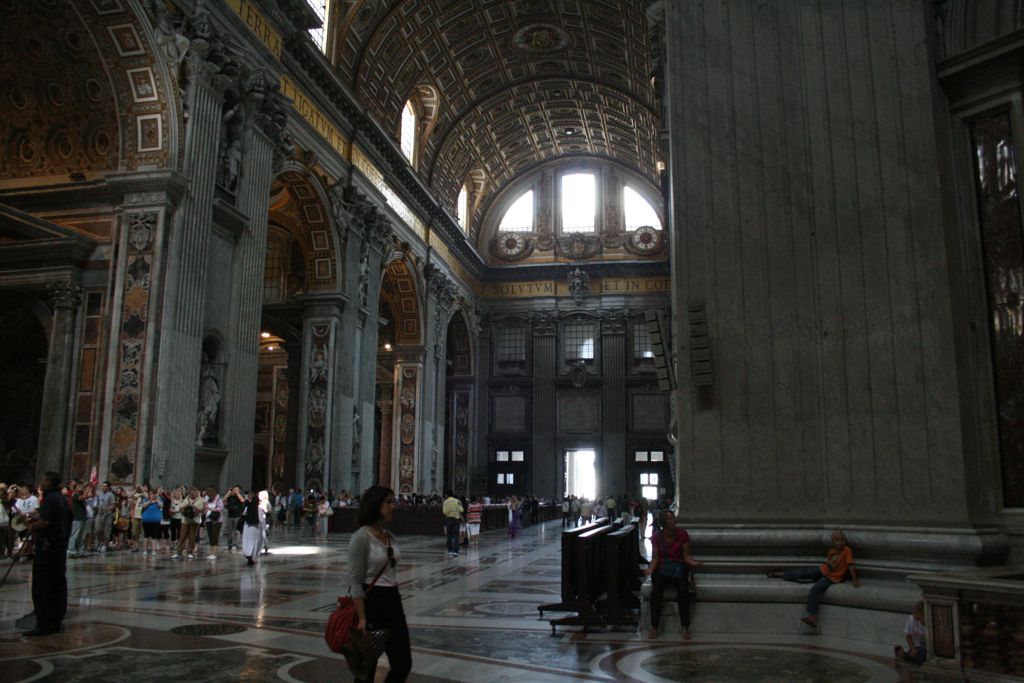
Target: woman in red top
column 670, row 566
column 837, row 564
column 473, row 513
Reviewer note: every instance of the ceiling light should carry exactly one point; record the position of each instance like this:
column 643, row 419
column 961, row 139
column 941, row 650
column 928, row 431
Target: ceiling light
column 265, row 335
column 270, row 348
column 387, row 347
column 569, row 131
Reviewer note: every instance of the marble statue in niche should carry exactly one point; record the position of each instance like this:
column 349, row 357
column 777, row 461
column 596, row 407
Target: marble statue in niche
column 209, row 403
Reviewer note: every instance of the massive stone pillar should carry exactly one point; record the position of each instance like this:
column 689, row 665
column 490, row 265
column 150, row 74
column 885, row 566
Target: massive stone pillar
column 182, row 319
column 809, row 249
column 547, row 471
column 318, row 443
column 261, row 144
column 368, row 237
column 439, row 300
column 65, row 298
column 612, row 476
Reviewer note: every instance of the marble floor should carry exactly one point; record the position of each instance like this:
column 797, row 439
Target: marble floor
column 473, row 618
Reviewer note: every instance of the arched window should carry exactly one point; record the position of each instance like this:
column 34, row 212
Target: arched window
column 408, row 136
column 519, row 216
column 638, row 211
column 579, row 202
column 463, row 207
column 319, row 35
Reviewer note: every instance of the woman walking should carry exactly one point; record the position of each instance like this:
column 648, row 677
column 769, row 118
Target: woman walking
column 268, row 520
column 372, row 558
column 515, row 524
column 670, row 566
column 252, row 528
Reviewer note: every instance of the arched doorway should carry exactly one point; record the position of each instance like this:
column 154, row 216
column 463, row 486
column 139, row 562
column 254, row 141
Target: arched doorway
column 302, row 257
column 399, row 378
column 23, row 355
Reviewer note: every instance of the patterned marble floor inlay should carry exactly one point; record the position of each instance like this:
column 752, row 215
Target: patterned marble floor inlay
column 471, row 618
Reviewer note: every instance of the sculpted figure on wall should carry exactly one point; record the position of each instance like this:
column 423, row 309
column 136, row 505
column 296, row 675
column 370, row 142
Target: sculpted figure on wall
column 209, row 403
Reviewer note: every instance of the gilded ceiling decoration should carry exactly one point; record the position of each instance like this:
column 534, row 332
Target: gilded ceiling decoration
column 520, row 82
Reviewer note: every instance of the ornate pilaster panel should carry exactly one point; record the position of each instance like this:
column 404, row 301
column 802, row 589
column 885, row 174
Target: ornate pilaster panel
column 134, row 297
column 279, row 428
column 87, row 410
column 317, row 402
column 408, row 391
column 460, row 431
column 386, row 408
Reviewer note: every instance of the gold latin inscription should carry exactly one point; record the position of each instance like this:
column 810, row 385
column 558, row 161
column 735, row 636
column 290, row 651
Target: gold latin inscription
column 635, row 285
column 312, row 114
column 258, row 24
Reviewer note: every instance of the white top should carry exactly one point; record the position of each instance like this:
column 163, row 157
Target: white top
column 379, row 555
column 916, row 630
column 26, row 506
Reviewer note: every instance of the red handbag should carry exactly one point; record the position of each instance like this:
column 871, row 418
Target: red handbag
column 341, row 622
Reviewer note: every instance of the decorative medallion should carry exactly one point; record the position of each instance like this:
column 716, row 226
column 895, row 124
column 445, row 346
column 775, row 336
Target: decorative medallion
column 540, row 38
column 613, row 240
column 511, row 246
column 578, row 246
column 645, row 240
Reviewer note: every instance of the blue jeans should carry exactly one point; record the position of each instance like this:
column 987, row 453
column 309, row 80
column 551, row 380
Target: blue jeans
column 821, row 584
column 452, row 529
column 76, row 544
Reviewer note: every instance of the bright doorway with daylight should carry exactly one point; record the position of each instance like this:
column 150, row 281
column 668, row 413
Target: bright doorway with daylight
column 581, row 474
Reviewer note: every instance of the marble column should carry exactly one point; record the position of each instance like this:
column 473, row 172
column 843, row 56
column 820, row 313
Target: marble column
column 612, row 472
column 547, row 472
column 65, row 298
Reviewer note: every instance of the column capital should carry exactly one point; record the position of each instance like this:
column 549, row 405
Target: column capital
column 66, row 295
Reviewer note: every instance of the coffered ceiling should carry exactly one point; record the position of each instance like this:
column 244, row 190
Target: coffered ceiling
column 520, row 81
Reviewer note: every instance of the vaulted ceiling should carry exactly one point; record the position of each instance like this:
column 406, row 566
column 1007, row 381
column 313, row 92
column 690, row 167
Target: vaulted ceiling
column 520, row 82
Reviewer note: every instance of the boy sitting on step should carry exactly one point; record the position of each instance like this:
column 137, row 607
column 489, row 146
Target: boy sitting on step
column 837, row 564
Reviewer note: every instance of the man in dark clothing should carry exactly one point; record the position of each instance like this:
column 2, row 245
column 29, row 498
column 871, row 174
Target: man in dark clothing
column 49, row 580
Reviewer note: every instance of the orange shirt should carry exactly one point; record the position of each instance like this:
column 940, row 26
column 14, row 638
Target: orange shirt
column 836, row 563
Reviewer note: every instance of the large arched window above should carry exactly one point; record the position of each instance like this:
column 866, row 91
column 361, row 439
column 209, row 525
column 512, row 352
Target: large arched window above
column 637, row 211
column 579, row 202
column 519, row 215
column 407, row 137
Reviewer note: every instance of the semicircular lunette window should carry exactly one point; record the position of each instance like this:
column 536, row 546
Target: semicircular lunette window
column 638, row 211
column 519, row 216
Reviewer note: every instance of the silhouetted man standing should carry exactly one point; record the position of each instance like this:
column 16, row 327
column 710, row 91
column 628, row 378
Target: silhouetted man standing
column 49, row 580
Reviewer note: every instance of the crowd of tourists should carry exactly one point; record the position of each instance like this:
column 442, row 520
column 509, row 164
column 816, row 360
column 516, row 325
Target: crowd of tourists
column 173, row 523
